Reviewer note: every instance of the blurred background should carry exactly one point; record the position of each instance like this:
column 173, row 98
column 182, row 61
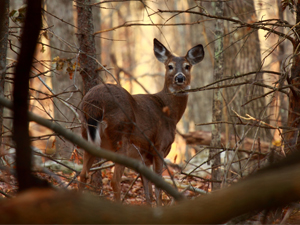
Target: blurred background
column 254, row 63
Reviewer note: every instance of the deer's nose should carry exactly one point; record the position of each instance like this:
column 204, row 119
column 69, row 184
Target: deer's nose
column 180, row 79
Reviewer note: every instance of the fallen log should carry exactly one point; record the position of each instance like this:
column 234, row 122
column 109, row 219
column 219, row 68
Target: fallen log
column 201, row 137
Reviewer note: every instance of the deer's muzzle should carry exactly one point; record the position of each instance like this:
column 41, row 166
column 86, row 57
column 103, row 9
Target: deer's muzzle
column 179, row 79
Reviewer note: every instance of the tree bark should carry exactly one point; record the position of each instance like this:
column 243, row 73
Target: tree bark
column 217, row 98
column 86, row 41
column 282, row 50
column 62, row 43
column 33, row 22
column 292, row 137
column 4, row 24
column 201, row 137
column 87, row 57
column 242, row 55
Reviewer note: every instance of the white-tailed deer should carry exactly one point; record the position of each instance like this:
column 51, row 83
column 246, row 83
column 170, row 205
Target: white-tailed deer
column 138, row 126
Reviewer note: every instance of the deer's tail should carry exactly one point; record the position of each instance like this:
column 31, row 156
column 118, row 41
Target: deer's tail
column 95, row 129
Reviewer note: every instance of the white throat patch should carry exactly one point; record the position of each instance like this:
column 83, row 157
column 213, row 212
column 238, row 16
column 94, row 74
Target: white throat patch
column 173, row 91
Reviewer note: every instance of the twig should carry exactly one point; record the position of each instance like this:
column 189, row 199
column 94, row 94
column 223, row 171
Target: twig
column 102, row 167
column 127, row 24
column 58, row 162
column 62, row 101
column 254, row 119
column 187, row 187
column 5, row 194
column 73, row 179
column 131, row 185
column 205, row 179
column 241, row 123
column 258, row 25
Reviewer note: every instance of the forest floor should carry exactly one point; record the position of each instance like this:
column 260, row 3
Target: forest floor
column 133, row 193
column 131, row 184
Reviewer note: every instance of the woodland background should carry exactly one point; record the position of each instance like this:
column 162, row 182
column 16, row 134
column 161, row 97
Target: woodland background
column 250, row 72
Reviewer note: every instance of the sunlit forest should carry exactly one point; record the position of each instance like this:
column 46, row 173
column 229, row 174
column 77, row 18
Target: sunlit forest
column 206, row 132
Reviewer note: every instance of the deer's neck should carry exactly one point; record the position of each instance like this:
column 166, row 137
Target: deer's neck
column 175, row 104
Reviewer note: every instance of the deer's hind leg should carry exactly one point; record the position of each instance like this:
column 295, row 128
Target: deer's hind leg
column 88, row 160
column 116, row 181
column 121, row 147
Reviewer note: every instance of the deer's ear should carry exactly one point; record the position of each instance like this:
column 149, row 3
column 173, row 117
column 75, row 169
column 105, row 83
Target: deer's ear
column 160, row 51
column 195, row 54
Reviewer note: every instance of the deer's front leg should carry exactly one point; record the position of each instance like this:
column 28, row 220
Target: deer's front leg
column 158, row 168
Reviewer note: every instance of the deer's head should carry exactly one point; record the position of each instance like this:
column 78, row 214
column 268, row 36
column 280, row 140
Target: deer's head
column 178, row 69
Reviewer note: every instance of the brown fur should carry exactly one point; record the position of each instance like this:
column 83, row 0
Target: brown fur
column 126, row 120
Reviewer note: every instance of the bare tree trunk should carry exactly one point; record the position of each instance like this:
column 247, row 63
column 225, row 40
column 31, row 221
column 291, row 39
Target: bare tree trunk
column 97, row 25
column 281, row 55
column 4, row 22
column 242, row 55
column 200, row 103
column 87, row 58
column 86, row 40
column 96, row 179
column 292, row 137
column 217, row 98
column 62, row 43
column 33, row 22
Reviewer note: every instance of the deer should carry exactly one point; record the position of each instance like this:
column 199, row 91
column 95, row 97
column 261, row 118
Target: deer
column 140, row 126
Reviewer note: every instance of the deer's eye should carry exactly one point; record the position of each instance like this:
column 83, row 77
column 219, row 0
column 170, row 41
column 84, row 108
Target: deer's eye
column 187, row 67
column 170, row 67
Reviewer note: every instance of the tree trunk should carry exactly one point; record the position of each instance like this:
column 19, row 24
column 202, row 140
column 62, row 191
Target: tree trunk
column 242, row 55
column 4, row 24
column 217, row 98
column 86, row 40
column 200, row 103
column 62, row 42
column 282, row 50
column 32, row 26
column 87, row 58
column 292, row 137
